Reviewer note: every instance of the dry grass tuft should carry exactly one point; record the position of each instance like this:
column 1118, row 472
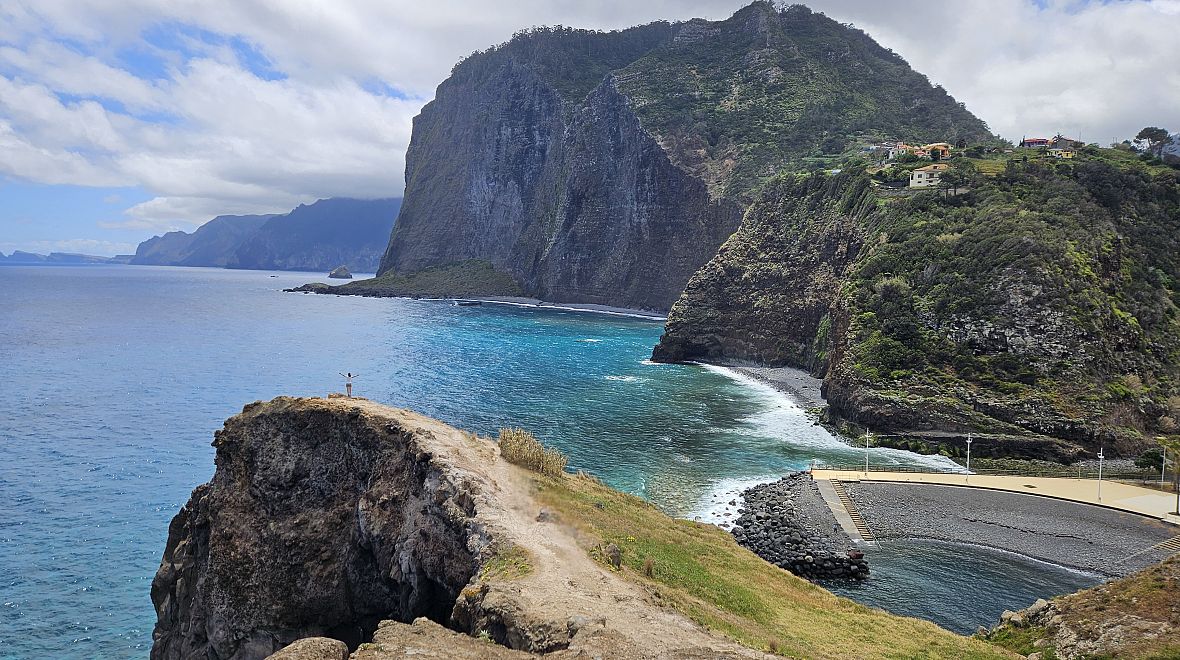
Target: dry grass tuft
column 522, row 448
column 649, row 567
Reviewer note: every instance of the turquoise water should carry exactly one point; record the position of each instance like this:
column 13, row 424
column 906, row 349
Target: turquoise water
column 113, row 379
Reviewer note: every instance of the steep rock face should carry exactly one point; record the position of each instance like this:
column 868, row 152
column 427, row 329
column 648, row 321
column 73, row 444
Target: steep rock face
column 1037, row 311
column 321, row 236
column 579, row 205
column 212, row 244
column 769, row 290
column 318, row 236
column 607, row 168
column 319, row 520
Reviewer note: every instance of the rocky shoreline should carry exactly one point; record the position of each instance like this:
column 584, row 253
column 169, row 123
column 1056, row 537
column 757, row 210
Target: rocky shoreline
column 788, row 524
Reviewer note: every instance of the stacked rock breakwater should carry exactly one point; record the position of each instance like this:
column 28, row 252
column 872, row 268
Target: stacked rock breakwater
column 788, row 524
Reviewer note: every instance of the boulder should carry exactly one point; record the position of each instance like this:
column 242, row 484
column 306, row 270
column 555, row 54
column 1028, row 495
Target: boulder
column 340, row 273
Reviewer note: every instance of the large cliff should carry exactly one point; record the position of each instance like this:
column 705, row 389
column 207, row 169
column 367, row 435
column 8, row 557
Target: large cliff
column 1037, row 310
column 608, row 167
column 401, row 537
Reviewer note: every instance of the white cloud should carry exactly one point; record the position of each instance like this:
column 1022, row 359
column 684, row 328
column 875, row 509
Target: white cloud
column 210, row 136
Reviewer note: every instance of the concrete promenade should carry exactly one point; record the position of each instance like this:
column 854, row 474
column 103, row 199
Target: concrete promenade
column 1115, row 495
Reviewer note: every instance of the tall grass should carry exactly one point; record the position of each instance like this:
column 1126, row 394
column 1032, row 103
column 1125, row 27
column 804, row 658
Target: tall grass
column 522, row 448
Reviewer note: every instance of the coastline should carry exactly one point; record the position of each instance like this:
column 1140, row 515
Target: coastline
column 514, row 301
column 537, row 303
column 801, row 386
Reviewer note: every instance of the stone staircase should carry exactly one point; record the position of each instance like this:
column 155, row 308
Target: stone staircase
column 850, row 506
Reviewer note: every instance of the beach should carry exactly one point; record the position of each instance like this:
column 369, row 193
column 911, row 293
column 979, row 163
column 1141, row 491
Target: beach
column 801, row 386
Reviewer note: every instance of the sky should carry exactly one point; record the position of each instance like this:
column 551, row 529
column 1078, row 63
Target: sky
column 121, row 119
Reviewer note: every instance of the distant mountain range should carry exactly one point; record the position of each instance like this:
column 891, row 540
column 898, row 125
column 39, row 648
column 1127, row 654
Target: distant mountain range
column 24, row 258
column 320, row 236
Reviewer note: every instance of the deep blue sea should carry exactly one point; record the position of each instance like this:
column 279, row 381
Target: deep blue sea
column 114, row 378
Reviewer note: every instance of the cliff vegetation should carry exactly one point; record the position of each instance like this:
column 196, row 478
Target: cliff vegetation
column 1133, row 617
column 1037, row 307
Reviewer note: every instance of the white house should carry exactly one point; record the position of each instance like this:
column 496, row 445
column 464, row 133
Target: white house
column 925, row 177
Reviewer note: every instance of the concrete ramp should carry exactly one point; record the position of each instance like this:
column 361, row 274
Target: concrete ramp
column 843, row 508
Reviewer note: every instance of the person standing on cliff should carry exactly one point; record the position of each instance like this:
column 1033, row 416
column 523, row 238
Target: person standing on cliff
column 348, row 383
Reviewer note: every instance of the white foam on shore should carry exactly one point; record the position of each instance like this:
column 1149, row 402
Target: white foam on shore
column 787, row 420
column 624, row 379
column 713, row 506
column 637, row 314
column 590, row 341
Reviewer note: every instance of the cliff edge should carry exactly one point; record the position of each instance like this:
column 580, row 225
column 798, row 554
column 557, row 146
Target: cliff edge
column 399, row 535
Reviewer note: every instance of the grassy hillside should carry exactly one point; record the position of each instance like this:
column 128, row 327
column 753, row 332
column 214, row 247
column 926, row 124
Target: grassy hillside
column 700, row 571
column 1134, row 617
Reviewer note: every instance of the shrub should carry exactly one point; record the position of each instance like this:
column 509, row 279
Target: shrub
column 522, row 448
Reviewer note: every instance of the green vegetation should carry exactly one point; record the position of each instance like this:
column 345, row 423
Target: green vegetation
column 573, row 61
column 700, row 571
column 522, row 448
column 1133, row 617
column 1023, row 640
column 507, row 563
column 768, row 89
column 467, row 278
column 1053, row 280
column 1040, row 300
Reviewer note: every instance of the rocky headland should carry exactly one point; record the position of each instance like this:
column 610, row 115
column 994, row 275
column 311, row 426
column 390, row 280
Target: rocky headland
column 1022, row 313
column 608, row 167
column 396, row 535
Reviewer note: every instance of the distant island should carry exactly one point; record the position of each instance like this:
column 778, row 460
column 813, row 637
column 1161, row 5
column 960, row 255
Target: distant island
column 21, row 258
column 319, row 236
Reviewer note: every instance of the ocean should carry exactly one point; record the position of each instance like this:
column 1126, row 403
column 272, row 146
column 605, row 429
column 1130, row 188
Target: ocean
column 114, row 378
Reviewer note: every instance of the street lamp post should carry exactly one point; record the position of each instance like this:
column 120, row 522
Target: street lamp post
column 968, row 455
column 1163, row 465
column 868, row 436
column 1101, row 457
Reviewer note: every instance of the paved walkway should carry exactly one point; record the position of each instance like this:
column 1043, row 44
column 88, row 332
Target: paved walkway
column 1120, row 496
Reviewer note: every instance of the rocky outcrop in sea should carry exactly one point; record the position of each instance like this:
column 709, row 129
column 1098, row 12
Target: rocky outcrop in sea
column 788, row 524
